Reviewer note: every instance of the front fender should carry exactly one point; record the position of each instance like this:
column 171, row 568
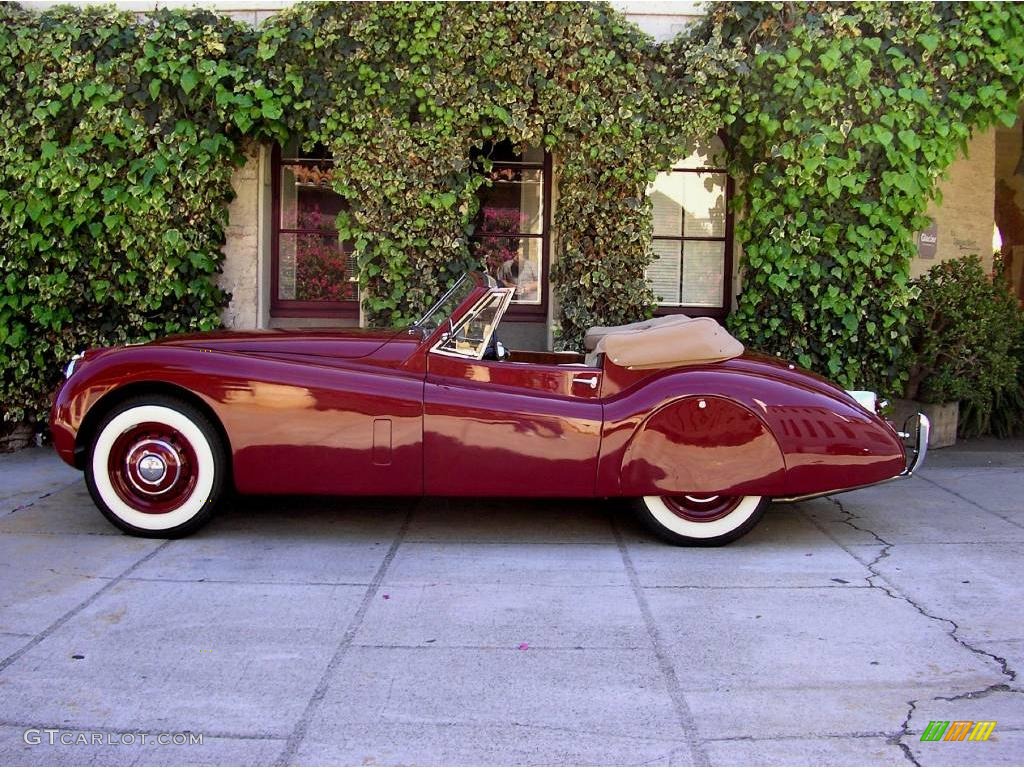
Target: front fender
column 106, row 373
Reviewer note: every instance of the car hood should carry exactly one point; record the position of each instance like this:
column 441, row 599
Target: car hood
column 336, row 342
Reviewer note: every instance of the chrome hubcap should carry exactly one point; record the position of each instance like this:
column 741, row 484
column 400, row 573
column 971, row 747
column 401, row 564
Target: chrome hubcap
column 152, row 466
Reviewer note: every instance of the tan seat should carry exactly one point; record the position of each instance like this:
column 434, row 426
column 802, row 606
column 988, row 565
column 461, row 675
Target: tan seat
column 598, row 332
column 691, row 341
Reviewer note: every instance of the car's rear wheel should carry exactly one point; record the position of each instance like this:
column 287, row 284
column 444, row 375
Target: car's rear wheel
column 701, row 520
column 156, row 467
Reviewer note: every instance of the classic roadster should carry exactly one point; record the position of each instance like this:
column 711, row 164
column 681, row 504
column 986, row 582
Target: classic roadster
column 671, row 413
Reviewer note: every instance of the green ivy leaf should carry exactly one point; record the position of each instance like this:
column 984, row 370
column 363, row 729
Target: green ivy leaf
column 189, row 80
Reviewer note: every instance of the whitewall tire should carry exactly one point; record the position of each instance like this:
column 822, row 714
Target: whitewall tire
column 156, row 467
column 701, row 520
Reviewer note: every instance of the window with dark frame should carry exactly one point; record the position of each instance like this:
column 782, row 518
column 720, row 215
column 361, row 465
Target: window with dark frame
column 313, row 272
column 511, row 231
column 692, row 235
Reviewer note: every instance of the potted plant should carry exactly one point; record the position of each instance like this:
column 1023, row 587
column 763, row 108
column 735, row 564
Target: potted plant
column 961, row 346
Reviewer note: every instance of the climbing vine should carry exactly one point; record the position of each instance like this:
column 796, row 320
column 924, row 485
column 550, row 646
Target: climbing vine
column 845, row 118
column 406, row 94
column 118, row 137
column 117, row 143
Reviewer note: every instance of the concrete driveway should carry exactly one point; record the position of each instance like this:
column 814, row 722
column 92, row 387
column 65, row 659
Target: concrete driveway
column 374, row 632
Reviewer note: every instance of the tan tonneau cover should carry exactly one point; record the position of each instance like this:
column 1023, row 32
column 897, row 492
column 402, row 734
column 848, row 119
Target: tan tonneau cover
column 683, row 341
column 598, row 332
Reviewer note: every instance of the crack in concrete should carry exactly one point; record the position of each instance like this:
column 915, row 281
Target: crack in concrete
column 904, row 731
column 953, row 631
column 684, row 715
column 36, row 500
column 301, row 728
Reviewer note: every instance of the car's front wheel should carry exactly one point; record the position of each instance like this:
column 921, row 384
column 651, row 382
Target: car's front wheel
column 698, row 520
column 156, row 467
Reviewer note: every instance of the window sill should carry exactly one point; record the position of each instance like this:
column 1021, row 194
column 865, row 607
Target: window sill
column 348, row 310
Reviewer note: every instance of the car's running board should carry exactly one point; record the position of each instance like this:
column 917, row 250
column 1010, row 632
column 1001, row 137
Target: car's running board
column 914, row 462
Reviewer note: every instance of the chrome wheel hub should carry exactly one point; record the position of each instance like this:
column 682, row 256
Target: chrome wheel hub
column 152, row 466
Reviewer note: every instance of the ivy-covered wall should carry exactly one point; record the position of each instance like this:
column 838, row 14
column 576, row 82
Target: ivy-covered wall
column 404, row 92
column 117, row 143
column 118, row 137
column 846, row 116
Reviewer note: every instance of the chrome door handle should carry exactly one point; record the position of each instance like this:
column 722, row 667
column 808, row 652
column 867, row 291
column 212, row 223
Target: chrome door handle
column 590, row 382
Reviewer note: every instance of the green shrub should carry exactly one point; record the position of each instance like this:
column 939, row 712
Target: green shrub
column 403, row 93
column 1003, row 415
column 966, row 333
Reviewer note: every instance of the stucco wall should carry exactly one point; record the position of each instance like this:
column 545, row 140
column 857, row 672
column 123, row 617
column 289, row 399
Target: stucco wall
column 241, row 276
column 1010, row 198
column 966, row 215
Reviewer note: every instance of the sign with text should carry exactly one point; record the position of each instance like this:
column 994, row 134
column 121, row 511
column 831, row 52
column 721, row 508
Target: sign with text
column 928, row 241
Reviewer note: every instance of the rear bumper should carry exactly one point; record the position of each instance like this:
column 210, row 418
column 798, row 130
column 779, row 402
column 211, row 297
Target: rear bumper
column 921, row 432
column 918, row 427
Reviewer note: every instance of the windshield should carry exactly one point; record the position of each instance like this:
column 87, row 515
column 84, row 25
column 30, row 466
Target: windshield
column 444, row 308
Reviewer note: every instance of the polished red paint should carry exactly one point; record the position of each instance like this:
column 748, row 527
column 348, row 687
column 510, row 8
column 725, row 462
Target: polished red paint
column 510, row 429
column 376, row 412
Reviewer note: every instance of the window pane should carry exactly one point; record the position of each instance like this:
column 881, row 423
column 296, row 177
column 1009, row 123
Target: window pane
column 705, row 154
column 515, row 262
column 704, row 203
column 668, row 196
column 533, row 155
column 703, row 274
column 307, row 200
column 315, row 268
column 699, row 198
column 663, row 272
column 513, row 203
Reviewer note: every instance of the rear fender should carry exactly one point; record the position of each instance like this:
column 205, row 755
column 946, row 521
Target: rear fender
column 701, row 444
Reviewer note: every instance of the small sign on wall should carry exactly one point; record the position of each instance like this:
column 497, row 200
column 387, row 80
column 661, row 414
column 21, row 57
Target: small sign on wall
column 928, row 241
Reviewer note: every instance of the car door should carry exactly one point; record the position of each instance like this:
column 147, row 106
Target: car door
column 494, row 428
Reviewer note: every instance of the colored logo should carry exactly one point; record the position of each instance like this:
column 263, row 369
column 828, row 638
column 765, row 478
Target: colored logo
column 958, row 730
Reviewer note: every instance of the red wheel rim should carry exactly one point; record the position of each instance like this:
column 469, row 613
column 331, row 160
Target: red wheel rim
column 152, row 467
column 701, row 509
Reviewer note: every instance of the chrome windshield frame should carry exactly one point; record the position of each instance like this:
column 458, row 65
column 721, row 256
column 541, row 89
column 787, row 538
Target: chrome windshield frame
column 468, row 317
column 466, row 276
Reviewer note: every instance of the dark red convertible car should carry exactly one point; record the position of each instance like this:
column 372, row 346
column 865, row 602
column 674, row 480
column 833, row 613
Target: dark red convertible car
column 672, row 413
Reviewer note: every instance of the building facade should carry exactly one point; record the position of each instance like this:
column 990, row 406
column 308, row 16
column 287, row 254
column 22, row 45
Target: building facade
column 286, row 267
